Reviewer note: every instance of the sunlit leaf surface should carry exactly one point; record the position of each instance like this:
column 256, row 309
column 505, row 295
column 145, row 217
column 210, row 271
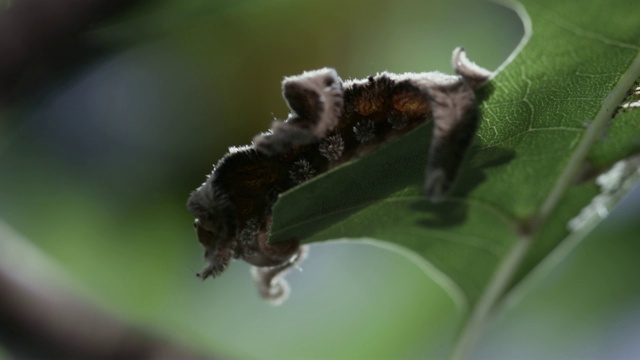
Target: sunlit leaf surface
column 551, row 125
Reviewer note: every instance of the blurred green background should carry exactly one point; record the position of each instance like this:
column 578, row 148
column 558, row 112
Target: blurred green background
column 95, row 170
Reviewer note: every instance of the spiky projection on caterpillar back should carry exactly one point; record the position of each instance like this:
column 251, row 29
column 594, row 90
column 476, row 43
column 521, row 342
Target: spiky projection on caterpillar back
column 331, row 122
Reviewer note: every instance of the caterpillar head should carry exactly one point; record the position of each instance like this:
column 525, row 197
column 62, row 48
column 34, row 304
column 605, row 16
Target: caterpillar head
column 212, row 228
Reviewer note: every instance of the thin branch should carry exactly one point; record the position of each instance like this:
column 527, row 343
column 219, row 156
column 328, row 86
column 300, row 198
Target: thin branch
column 41, row 317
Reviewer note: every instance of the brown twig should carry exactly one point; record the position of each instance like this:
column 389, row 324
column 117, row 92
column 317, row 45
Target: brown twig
column 40, row 317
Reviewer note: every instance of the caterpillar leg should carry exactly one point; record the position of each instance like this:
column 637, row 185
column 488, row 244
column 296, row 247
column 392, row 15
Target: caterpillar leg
column 456, row 120
column 270, row 280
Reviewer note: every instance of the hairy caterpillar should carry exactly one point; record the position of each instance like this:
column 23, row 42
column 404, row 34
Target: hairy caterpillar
column 331, row 122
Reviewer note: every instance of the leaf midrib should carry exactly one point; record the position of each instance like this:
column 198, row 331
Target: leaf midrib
column 591, row 135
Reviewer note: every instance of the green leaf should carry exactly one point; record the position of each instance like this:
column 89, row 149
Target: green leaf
column 551, row 125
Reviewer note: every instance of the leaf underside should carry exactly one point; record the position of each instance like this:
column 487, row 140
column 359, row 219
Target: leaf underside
column 551, row 119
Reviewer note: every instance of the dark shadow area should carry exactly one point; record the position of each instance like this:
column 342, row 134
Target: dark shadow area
column 43, row 42
column 484, row 92
column 472, row 174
